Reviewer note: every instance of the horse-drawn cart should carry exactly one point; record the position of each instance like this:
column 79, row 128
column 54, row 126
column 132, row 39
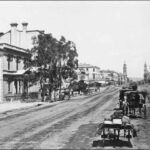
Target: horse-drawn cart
column 135, row 102
column 122, row 96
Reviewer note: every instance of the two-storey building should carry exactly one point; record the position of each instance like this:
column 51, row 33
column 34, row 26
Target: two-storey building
column 89, row 72
column 13, row 52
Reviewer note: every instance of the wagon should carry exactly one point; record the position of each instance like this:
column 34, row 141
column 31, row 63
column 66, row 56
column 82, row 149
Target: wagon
column 135, row 102
column 110, row 130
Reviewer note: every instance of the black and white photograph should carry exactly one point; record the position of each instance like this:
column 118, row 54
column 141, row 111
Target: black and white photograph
column 74, row 74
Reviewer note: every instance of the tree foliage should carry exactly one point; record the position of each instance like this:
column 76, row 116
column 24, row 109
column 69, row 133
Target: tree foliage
column 54, row 59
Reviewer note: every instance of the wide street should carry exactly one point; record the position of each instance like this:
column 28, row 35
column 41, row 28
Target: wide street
column 69, row 124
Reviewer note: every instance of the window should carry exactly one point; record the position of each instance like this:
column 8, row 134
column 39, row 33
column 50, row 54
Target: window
column 9, row 59
column 93, row 69
column 93, row 76
column 8, row 64
column 8, row 86
column 17, row 63
column 87, row 69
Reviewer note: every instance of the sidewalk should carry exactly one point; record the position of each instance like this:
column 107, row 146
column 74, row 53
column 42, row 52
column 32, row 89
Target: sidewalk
column 10, row 106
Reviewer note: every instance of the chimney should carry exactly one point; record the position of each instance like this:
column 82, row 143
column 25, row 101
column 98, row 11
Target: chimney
column 24, row 35
column 24, row 25
column 14, row 25
column 13, row 40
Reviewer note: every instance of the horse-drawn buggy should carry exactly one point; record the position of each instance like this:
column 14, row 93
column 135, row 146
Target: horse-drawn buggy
column 122, row 96
column 132, row 101
column 135, row 102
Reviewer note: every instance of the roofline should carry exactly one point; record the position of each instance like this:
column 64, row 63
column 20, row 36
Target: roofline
column 5, row 45
column 31, row 31
column 40, row 31
column 5, row 33
column 90, row 66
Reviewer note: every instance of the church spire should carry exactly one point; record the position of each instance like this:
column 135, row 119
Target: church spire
column 125, row 69
column 125, row 72
column 145, row 73
column 145, row 68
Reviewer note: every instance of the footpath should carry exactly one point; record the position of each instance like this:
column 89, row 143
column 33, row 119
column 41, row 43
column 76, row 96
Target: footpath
column 16, row 105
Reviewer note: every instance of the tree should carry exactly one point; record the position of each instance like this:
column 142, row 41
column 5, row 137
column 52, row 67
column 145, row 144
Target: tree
column 55, row 60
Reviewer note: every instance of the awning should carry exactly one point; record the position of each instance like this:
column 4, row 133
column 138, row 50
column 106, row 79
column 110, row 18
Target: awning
column 19, row 72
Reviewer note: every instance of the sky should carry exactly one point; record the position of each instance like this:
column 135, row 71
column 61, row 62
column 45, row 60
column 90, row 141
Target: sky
column 106, row 33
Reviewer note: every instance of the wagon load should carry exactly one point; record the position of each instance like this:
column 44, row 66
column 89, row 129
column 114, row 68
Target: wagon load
column 116, row 126
column 117, row 121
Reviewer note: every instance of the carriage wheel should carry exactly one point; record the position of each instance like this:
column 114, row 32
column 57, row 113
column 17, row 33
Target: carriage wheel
column 144, row 111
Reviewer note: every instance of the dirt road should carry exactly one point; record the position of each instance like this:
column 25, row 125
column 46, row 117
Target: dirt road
column 69, row 124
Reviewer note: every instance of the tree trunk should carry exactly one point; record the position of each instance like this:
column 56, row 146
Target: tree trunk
column 50, row 94
column 60, row 80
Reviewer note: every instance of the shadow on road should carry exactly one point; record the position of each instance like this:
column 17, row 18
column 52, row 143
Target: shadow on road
column 110, row 143
column 135, row 116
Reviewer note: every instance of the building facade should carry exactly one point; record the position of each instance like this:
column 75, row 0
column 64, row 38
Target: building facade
column 20, row 38
column 13, row 53
column 112, row 77
column 88, row 72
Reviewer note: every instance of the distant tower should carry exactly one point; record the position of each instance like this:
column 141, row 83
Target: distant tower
column 125, row 72
column 145, row 68
column 145, row 72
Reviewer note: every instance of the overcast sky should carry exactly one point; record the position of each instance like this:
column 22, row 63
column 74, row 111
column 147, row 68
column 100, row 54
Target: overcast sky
column 106, row 33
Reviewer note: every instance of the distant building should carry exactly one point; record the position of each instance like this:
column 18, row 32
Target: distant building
column 112, row 77
column 106, row 75
column 13, row 54
column 89, row 72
